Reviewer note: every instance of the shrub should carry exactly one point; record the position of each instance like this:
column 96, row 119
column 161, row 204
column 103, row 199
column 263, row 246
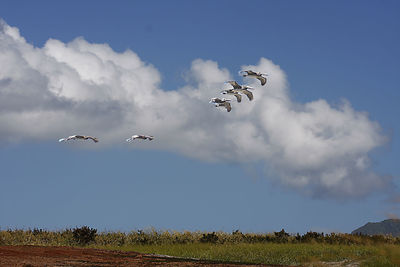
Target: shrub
column 209, row 238
column 281, row 237
column 84, row 235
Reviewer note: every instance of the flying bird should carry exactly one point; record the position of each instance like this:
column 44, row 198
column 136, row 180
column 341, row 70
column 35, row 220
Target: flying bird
column 81, row 137
column 140, row 136
column 233, row 92
column 235, row 85
column 221, row 102
column 247, row 93
column 244, row 89
column 256, row 75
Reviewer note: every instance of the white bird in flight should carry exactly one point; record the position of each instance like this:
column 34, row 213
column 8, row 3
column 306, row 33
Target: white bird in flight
column 244, row 89
column 233, row 92
column 81, row 137
column 140, row 136
column 256, row 75
column 221, row 102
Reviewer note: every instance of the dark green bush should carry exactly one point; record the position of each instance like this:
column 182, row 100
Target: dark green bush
column 281, row 237
column 84, row 235
column 209, row 238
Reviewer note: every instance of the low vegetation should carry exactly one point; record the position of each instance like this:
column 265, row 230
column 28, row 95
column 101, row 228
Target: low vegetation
column 271, row 248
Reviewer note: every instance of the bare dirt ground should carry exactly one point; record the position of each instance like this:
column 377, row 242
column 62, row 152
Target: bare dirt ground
column 34, row 256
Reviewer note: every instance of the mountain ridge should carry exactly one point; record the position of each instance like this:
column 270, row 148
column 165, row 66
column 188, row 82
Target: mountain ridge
column 385, row 227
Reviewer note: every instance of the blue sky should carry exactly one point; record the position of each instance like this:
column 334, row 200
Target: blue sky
column 324, row 52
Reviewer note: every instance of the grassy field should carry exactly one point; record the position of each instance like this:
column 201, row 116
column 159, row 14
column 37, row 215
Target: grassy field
column 284, row 254
column 272, row 248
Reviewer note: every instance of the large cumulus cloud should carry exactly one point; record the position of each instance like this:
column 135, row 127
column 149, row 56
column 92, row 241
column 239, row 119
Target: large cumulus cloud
column 78, row 87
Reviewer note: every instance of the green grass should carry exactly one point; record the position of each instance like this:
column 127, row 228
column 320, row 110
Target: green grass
column 269, row 253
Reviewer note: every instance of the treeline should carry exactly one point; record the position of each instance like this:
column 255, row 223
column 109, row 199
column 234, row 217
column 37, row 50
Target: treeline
column 82, row 236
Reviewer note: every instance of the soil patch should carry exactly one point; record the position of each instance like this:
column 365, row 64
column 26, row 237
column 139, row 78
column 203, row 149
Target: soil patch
column 34, row 256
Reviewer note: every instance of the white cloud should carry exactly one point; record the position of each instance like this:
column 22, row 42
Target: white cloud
column 79, row 87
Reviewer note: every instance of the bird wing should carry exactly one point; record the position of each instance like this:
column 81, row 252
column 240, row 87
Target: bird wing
column 93, row 138
column 238, row 97
column 71, row 137
column 262, row 79
column 61, row 140
column 250, row 72
column 228, row 106
column 150, row 137
column 249, row 94
column 234, row 84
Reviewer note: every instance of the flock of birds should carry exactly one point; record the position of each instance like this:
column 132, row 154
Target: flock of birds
column 86, row 137
column 236, row 91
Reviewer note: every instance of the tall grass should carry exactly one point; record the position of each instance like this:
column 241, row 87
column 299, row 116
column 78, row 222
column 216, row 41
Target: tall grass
column 86, row 235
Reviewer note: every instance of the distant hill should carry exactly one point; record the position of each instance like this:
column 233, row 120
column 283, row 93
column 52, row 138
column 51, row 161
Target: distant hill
column 386, row 227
